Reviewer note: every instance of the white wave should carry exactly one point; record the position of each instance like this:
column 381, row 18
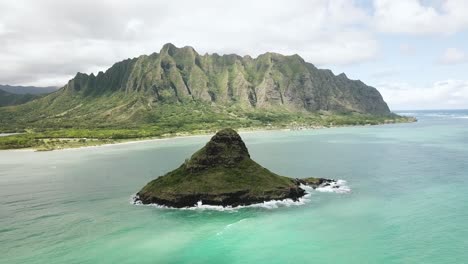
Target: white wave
column 266, row 205
column 461, row 117
column 437, row 115
column 226, row 228
column 306, row 188
column 407, row 114
column 447, row 115
column 134, row 200
column 200, row 206
column 336, row 187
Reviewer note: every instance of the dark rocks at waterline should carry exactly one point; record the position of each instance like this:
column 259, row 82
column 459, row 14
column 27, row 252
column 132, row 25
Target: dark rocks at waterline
column 234, row 199
column 222, row 173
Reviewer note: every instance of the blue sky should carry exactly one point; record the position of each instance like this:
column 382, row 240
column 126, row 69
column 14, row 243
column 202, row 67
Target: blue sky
column 416, row 61
column 413, row 51
column 411, row 62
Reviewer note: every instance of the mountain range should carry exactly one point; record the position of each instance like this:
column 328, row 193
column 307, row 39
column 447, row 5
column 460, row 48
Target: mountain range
column 181, row 84
column 15, row 95
column 15, row 89
column 7, row 98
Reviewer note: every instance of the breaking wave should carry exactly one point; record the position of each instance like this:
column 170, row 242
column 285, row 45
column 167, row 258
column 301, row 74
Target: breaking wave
column 442, row 115
column 407, row 114
column 335, row 187
column 226, row 228
column 200, row 206
column 454, row 115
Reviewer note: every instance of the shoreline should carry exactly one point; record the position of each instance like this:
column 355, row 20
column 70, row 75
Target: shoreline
column 337, row 187
column 151, row 139
column 190, row 135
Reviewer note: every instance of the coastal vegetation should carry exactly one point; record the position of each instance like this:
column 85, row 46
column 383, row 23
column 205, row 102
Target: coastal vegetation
column 180, row 92
column 175, row 121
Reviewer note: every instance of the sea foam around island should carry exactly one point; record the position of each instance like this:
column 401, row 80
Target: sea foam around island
column 335, row 187
column 340, row 187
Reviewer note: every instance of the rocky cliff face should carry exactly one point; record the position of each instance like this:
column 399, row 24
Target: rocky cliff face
column 269, row 81
column 179, row 90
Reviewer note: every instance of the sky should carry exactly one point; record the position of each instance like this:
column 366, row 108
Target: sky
column 415, row 52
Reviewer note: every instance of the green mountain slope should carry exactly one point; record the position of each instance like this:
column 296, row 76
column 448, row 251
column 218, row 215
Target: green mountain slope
column 7, row 99
column 28, row 89
column 179, row 87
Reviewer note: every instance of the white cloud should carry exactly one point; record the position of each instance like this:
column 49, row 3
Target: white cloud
column 53, row 39
column 449, row 94
column 452, row 56
column 134, row 27
column 46, row 42
column 2, row 29
column 413, row 17
column 407, row 49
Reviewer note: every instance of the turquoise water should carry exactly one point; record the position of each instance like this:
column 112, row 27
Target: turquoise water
column 408, row 201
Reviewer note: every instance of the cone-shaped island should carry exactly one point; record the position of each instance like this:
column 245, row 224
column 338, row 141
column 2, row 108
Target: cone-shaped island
column 222, row 173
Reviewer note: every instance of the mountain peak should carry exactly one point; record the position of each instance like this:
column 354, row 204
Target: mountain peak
column 137, row 91
column 171, row 50
column 226, row 148
column 168, row 48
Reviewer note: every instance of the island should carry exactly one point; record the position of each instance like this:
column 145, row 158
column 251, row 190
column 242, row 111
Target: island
column 222, row 173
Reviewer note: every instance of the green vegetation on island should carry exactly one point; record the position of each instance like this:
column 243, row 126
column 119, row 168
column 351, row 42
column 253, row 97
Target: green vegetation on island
column 222, row 173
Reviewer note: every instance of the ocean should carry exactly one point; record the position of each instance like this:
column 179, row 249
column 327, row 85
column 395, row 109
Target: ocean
column 406, row 200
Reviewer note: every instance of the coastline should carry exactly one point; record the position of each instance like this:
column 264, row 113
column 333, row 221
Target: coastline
column 337, row 187
column 100, row 143
column 152, row 139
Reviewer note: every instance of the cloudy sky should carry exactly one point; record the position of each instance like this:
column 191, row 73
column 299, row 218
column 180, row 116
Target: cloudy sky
column 413, row 51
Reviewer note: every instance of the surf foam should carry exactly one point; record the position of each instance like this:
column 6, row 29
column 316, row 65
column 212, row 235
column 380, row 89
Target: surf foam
column 335, row 187
column 226, row 228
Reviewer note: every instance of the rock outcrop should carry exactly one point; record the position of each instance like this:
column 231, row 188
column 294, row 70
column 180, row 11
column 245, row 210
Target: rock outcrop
column 222, row 173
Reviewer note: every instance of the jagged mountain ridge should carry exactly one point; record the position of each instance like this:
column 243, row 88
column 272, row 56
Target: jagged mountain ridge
column 178, row 89
column 178, row 75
